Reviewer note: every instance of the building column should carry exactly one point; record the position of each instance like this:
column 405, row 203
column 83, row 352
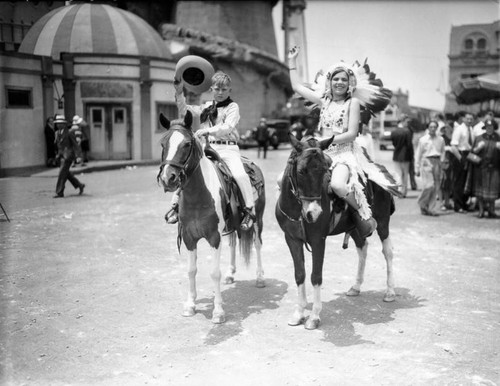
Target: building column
column 145, row 82
column 47, row 88
column 69, row 86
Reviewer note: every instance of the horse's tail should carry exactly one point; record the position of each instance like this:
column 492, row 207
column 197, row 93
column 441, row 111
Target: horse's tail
column 246, row 244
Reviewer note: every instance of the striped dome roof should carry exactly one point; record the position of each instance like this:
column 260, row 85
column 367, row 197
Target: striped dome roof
column 93, row 28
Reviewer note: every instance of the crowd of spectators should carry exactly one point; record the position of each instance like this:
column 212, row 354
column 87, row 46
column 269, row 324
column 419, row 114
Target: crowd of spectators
column 459, row 164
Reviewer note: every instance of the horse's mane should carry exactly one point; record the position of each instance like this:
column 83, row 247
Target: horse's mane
column 308, row 142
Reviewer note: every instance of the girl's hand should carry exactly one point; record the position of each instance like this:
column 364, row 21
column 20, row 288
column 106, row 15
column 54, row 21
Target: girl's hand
column 293, row 52
column 178, row 86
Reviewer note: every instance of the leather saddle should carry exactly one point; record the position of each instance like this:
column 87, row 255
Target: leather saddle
column 232, row 196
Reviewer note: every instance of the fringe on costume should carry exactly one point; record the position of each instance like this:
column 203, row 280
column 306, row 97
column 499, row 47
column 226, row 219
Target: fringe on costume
column 361, row 168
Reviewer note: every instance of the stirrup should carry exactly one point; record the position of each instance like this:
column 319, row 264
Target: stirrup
column 172, row 216
column 248, row 220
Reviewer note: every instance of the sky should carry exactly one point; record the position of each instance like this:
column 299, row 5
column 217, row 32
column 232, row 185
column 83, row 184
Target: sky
column 406, row 41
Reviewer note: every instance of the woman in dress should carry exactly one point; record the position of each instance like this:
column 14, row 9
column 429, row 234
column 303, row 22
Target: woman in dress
column 483, row 180
column 340, row 98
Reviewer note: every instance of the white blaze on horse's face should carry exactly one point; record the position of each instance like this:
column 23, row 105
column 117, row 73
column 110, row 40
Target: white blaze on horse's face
column 311, row 210
column 174, row 143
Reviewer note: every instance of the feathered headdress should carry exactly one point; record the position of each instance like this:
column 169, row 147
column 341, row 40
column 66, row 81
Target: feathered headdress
column 363, row 85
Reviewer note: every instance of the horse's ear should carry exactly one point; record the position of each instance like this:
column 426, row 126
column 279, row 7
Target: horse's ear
column 325, row 143
column 164, row 121
column 295, row 142
column 188, row 119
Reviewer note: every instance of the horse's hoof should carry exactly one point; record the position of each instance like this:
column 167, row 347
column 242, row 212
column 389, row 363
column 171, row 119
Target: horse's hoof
column 353, row 292
column 296, row 321
column 188, row 311
column 311, row 324
column 229, row 280
column 260, row 283
column 218, row 319
column 388, row 297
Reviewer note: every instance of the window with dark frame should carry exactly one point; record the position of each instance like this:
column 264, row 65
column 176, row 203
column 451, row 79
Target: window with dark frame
column 481, row 44
column 469, row 45
column 169, row 110
column 18, row 98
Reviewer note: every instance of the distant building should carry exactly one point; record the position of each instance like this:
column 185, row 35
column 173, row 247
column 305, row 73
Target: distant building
column 474, row 51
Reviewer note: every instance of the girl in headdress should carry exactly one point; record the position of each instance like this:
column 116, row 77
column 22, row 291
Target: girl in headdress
column 341, row 94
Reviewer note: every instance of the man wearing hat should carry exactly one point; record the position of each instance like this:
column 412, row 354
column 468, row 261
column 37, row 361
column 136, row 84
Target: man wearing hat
column 67, row 149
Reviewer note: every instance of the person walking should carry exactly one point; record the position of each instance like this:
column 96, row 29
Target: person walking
column 414, row 142
column 403, row 151
column 68, row 150
column 461, row 143
column 262, row 137
column 483, row 178
column 85, row 137
column 429, row 156
column 447, row 168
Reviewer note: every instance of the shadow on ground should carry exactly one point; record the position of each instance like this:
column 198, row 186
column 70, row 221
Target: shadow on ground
column 241, row 300
column 339, row 315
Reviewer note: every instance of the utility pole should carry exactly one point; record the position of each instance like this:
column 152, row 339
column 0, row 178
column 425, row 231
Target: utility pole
column 295, row 33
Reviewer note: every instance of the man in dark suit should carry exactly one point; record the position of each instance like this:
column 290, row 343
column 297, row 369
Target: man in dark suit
column 67, row 149
column 403, row 151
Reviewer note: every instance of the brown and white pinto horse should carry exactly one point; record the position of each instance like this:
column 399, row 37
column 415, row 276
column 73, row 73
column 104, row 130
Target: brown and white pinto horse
column 307, row 215
column 203, row 203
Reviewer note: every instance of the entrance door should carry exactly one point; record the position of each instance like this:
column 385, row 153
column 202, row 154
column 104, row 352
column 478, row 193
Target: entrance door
column 110, row 134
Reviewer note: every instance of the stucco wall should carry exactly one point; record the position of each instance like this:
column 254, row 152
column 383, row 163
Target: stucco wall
column 22, row 142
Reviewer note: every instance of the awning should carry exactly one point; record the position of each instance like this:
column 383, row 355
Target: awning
column 93, row 28
column 476, row 90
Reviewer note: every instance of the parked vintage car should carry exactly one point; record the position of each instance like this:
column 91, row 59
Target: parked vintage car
column 278, row 133
column 385, row 137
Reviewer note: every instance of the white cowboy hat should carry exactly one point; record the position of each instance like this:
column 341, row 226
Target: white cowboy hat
column 196, row 73
column 59, row 118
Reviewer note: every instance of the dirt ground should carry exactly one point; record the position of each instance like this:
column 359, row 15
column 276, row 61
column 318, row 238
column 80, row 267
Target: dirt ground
column 92, row 290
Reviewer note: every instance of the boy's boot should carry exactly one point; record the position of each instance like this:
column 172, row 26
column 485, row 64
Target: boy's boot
column 248, row 220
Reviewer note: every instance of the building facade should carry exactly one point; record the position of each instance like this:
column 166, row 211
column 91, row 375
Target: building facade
column 114, row 69
column 474, row 51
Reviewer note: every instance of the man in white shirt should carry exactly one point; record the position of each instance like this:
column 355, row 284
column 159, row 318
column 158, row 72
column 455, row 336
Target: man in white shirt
column 461, row 144
column 428, row 158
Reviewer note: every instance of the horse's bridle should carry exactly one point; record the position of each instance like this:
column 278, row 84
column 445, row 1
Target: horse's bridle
column 294, row 190
column 184, row 165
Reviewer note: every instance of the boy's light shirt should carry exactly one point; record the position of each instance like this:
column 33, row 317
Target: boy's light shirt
column 226, row 122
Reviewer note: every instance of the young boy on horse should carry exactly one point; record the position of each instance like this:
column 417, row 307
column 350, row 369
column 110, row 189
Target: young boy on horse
column 218, row 121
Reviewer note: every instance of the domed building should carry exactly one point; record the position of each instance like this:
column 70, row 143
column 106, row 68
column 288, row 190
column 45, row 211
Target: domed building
column 102, row 63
